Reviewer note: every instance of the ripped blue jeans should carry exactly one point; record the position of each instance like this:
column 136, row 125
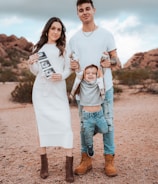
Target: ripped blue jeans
column 108, row 138
column 92, row 120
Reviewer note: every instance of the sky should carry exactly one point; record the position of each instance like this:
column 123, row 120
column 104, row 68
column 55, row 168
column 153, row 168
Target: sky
column 134, row 23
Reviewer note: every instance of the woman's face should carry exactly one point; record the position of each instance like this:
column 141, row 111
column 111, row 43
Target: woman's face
column 54, row 32
column 90, row 74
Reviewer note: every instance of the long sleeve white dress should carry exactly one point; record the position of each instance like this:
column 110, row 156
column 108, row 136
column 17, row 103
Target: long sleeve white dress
column 50, row 101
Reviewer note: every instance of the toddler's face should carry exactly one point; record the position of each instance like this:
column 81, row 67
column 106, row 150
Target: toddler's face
column 90, row 74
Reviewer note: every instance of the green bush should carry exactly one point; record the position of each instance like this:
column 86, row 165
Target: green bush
column 70, row 81
column 132, row 77
column 117, row 89
column 155, row 75
column 8, row 76
column 15, row 54
column 23, row 91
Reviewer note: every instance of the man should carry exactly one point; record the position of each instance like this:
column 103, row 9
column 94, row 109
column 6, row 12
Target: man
column 89, row 44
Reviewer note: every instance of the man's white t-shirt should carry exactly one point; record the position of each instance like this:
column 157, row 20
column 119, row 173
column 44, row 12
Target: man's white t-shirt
column 90, row 48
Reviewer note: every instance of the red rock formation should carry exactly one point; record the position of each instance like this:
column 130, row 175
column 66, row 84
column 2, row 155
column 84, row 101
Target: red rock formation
column 7, row 42
column 14, row 53
column 143, row 60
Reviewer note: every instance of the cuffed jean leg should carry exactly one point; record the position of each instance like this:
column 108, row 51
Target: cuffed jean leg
column 108, row 138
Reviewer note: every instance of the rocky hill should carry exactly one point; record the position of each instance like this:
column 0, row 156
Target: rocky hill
column 14, row 53
column 143, row 60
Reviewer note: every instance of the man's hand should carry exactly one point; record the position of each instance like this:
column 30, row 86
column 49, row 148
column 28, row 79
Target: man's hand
column 114, row 57
column 74, row 65
column 110, row 63
column 105, row 63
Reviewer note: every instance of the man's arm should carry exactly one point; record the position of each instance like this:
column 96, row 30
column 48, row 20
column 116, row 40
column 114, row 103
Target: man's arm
column 112, row 62
column 115, row 62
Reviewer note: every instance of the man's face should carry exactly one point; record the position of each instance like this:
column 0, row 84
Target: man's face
column 85, row 12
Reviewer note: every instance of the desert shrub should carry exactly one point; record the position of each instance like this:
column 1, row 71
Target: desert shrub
column 117, row 89
column 153, row 91
column 23, row 91
column 26, row 76
column 132, row 77
column 70, row 81
column 15, row 54
column 8, row 76
column 1, row 59
column 155, row 75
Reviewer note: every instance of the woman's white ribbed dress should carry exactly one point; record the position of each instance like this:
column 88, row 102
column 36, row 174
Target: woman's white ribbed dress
column 51, row 103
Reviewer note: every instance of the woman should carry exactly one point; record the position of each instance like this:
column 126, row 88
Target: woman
column 49, row 94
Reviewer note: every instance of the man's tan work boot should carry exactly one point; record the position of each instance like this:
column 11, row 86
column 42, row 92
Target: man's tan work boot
column 110, row 170
column 85, row 165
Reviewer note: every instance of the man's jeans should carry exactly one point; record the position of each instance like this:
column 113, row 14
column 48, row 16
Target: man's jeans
column 108, row 138
column 91, row 120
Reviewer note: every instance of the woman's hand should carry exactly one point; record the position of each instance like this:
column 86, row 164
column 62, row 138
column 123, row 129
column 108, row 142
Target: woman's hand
column 74, row 65
column 33, row 59
column 56, row 77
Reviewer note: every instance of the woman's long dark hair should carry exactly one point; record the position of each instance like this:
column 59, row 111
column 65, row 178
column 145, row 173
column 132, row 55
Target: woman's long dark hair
column 60, row 43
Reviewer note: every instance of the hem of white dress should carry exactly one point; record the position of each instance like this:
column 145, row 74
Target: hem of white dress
column 57, row 140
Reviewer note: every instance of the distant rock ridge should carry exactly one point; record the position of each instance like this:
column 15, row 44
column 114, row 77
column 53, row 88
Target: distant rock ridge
column 147, row 59
column 14, row 53
column 12, row 42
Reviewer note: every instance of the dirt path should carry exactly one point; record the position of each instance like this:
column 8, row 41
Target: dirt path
column 136, row 137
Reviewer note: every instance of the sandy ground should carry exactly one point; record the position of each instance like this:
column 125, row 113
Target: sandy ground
column 136, row 138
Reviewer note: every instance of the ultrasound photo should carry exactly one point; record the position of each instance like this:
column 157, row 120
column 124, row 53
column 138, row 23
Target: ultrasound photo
column 48, row 72
column 42, row 55
column 46, row 66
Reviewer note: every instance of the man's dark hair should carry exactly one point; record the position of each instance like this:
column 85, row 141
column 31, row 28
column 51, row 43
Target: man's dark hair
column 79, row 2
